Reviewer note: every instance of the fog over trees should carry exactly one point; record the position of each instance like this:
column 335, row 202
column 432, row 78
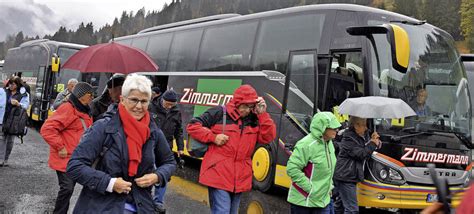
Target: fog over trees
column 454, row 16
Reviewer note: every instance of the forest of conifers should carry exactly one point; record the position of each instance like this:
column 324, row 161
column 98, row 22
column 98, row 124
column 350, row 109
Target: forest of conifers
column 454, row 16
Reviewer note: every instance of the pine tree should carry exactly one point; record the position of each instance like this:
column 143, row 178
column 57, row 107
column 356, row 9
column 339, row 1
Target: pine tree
column 19, row 39
column 467, row 22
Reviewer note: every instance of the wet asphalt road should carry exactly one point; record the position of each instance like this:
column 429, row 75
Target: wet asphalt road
column 28, row 185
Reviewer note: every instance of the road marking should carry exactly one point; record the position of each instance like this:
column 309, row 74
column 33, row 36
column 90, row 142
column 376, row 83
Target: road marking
column 189, row 189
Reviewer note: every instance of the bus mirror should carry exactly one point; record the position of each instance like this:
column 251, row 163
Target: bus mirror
column 55, row 61
column 400, row 44
column 397, row 38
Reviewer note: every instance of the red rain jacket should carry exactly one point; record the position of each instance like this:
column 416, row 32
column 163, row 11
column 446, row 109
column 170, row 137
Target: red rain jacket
column 229, row 167
column 63, row 130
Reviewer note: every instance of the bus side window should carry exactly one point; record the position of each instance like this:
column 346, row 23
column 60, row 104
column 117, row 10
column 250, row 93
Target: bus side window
column 159, row 48
column 278, row 36
column 184, row 50
column 218, row 53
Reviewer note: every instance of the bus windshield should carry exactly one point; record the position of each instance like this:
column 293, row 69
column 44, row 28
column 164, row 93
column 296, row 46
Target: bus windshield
column 435, row 84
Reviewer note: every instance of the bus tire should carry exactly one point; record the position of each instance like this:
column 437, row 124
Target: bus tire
column 263, row 166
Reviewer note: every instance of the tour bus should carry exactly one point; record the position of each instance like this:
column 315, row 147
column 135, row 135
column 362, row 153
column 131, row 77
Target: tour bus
column 306, row 59
column 33, row 62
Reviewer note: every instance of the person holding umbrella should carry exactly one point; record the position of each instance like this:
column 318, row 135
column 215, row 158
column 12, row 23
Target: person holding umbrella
column 357, row 145
column 112, row 95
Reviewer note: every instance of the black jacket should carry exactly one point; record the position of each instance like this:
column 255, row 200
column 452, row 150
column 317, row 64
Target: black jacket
column 169, row 122
column 100, row 105
column 353, row 151
column 156, row 158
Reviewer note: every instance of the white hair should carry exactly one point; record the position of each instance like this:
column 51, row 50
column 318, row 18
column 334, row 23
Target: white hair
column 136, row 82
column 72, row 81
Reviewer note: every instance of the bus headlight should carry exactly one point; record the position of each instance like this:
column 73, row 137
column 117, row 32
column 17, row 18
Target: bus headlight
column 386, row 174
column 383, row 173
column 394, row 175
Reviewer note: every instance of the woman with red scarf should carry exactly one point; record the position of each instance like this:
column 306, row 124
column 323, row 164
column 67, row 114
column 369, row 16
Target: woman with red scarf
column 126, row 145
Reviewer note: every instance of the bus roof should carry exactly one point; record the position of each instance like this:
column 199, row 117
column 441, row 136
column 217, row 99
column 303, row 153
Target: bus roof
column 189, row 22
column 52, row 42
column 194, row 23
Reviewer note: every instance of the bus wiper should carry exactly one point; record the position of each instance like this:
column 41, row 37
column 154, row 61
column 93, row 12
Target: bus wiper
column 464, row 140
column 409, row 22
column 398, row 138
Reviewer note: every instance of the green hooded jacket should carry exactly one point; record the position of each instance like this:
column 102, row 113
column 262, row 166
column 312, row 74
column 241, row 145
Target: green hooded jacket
column 311, row 166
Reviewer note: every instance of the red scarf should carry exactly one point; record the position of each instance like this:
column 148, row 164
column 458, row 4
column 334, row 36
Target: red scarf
column 136, row 132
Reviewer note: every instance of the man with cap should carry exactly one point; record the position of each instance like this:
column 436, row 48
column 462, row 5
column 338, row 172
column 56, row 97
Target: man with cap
column 63, row 95
column 227, row 165
column 111, row 95
column 167, row 116
column 155, row 92
column 62, row 131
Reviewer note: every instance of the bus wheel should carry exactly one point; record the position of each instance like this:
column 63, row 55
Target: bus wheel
column 263, row 167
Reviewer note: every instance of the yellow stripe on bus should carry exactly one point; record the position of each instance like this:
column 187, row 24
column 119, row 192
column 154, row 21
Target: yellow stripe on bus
column 281, row 178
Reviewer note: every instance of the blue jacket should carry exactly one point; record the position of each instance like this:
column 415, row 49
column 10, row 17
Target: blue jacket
column 109, row 132
column 3, row 103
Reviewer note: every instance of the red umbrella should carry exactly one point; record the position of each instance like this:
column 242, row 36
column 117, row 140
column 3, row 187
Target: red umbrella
column 111, row 58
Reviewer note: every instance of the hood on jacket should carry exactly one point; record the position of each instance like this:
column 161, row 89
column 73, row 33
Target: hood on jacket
column 245, row 94
column 321, row 121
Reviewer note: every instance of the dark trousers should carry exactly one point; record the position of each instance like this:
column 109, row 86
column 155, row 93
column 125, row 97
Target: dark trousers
column 295, row 209
column 348, row 193
column 66, row 188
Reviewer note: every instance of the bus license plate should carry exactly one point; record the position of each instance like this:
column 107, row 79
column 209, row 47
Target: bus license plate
column 431, row 198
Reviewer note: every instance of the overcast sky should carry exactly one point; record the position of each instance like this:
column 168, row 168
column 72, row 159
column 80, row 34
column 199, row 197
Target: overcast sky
column 45, row 16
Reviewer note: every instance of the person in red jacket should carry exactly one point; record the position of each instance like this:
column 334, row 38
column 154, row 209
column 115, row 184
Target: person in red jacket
column 227, row 165
column 62, row 131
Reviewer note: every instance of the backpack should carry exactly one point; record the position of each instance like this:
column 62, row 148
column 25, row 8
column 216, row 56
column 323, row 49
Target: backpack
column 198, row 149
column 15, row 124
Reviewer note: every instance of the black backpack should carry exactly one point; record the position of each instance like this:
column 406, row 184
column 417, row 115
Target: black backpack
column 16, row 122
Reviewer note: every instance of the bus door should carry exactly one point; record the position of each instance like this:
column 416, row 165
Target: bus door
column 36, row 90
column 301, row 92
column 48, row 79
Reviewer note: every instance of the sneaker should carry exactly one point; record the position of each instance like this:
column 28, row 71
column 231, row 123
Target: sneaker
column 1, row 164
column 5, row 163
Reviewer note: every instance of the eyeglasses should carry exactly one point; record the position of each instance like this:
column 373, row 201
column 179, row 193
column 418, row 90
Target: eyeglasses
column 247, row 107
column 135, row 101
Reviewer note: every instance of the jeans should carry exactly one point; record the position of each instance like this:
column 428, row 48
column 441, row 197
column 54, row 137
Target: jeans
column 348, row 193
column 295, row 209
column 159, row 196
column 66, row 188
column 6, row 146
column 222, row 201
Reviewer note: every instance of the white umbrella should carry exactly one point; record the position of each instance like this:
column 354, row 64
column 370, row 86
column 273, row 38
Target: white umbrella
column 376, row 107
